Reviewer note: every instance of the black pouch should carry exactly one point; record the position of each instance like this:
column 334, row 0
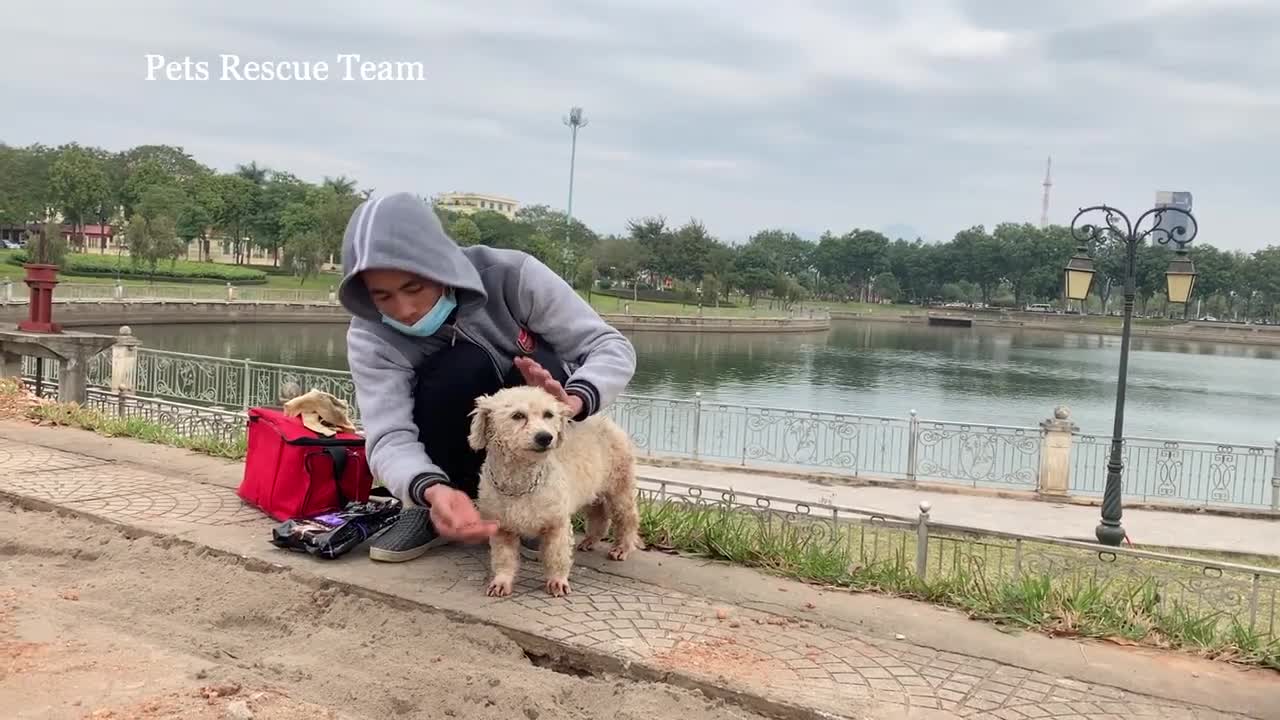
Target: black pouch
column 333, row 534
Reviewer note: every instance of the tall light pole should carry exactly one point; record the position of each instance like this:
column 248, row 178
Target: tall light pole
column 575, row 120
column 1180, row 229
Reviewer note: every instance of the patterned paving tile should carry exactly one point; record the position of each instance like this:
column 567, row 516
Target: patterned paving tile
column 804, row 662
column 119, row 492
column 20, row 458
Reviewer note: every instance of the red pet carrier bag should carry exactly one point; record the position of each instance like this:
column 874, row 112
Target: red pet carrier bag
column 292, row 472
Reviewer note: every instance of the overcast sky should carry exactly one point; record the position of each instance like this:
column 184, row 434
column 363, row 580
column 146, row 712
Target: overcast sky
column 907, row 116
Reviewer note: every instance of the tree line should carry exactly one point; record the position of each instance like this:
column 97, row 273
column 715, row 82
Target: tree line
column 161, row 199
column 164, row 199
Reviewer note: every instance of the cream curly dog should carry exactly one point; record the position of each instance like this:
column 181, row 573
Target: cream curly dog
column 539, row 469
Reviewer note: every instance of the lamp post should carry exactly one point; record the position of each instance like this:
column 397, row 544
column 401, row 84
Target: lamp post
column 1078, row 279
column 575, row 120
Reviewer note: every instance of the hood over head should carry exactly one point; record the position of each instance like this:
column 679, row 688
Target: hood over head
column 402, row 232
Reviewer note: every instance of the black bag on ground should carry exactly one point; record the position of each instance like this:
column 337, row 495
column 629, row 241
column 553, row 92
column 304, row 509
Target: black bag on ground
column 333, row 534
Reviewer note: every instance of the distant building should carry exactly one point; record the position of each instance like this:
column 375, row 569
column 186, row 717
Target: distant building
column 96, row 237
column 1176, row 199
column 467, row 203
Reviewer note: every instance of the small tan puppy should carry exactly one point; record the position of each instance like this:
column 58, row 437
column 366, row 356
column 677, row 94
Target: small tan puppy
column 540, row 468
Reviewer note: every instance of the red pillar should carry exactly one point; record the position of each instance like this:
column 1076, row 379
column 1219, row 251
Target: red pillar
column 41, row 279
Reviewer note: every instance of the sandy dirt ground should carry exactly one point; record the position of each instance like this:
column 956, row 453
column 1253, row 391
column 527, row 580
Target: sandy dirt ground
column 96, row 624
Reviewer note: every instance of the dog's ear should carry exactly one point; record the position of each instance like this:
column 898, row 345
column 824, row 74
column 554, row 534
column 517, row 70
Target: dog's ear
column 479, row 436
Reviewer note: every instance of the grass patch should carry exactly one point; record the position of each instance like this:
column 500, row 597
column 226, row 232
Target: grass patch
column 1035, row 586
column 111, row 266
column 1028, row 585
column 321, row 282
column 136, row 428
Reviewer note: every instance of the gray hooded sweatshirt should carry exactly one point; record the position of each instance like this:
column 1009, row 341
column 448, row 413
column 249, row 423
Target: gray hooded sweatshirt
column 500, row 294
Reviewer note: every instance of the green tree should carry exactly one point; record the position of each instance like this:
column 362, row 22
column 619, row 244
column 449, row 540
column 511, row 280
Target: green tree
column 161, row 201
column 585, row 278
column 790, row 253
column 146, row 174
column 151, row 240
column 192, row 224
column 692, row 245
column 206, row 200
column 236, row 194
column 25, row 193
column 499, row 231
column 658, row 243
column 464, row 231
column 551, row 224
column 979, row 259
column 756, row 270
column 280, row 190
column 886, row 286
column 711, row 289
column 305, row 253
column 79, row 183
column 868, row 255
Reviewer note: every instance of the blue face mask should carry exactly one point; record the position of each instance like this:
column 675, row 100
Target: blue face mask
column 429, row 323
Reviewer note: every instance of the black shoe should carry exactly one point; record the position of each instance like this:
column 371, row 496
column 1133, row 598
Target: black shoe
column 531, row 548
column 410, row 537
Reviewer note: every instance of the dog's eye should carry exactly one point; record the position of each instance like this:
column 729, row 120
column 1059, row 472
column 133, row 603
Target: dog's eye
column 517, row 415
column 548, row 415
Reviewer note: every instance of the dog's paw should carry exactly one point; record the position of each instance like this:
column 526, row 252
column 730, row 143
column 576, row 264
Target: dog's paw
column 622, row 550
column 558, row 587
column 500, row 587
column 587, row 545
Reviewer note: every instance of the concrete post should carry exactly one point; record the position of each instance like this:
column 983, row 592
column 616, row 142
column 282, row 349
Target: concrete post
column 124, row 362
column 231, row 292
column 1055, row 452
column 10, row 364
column 922, row 540
column 913, row 446
column 8, row 290
column 333, row 296
column 118, row 291
column 73, row 379
column 697, row 424
column 1275, row 479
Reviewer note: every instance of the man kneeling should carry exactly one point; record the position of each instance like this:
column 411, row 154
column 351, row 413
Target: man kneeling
column 435, row 326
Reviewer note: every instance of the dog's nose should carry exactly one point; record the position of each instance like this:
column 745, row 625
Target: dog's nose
column 543, row 438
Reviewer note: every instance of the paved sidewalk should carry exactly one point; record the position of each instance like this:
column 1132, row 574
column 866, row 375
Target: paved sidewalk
column 1032, row 517
column 762, row 641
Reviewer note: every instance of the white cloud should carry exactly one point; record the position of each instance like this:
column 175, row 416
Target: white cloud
column 744, row 113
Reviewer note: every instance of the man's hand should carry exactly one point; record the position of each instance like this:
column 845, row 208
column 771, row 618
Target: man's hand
column 538, row 376
column 455, row 517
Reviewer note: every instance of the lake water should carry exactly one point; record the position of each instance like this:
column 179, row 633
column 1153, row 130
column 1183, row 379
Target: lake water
column 1177, row 389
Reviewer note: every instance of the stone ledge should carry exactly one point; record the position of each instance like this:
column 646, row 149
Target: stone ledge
column 79, row 313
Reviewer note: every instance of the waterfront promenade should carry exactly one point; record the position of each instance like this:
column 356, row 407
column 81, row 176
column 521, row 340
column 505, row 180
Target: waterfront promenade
column 753, row 644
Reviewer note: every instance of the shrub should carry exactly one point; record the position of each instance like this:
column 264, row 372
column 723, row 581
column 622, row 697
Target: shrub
column 112, row 266
column 47, row 246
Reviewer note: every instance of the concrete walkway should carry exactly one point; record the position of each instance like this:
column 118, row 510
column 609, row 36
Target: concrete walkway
column 771, row 645
column 1075, row 522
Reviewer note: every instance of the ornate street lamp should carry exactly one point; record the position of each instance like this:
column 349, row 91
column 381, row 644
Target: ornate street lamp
column 1179, row 230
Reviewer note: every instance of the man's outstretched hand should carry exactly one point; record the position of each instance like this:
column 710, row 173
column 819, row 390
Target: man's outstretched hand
column 538, row 376
column 455, row 517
